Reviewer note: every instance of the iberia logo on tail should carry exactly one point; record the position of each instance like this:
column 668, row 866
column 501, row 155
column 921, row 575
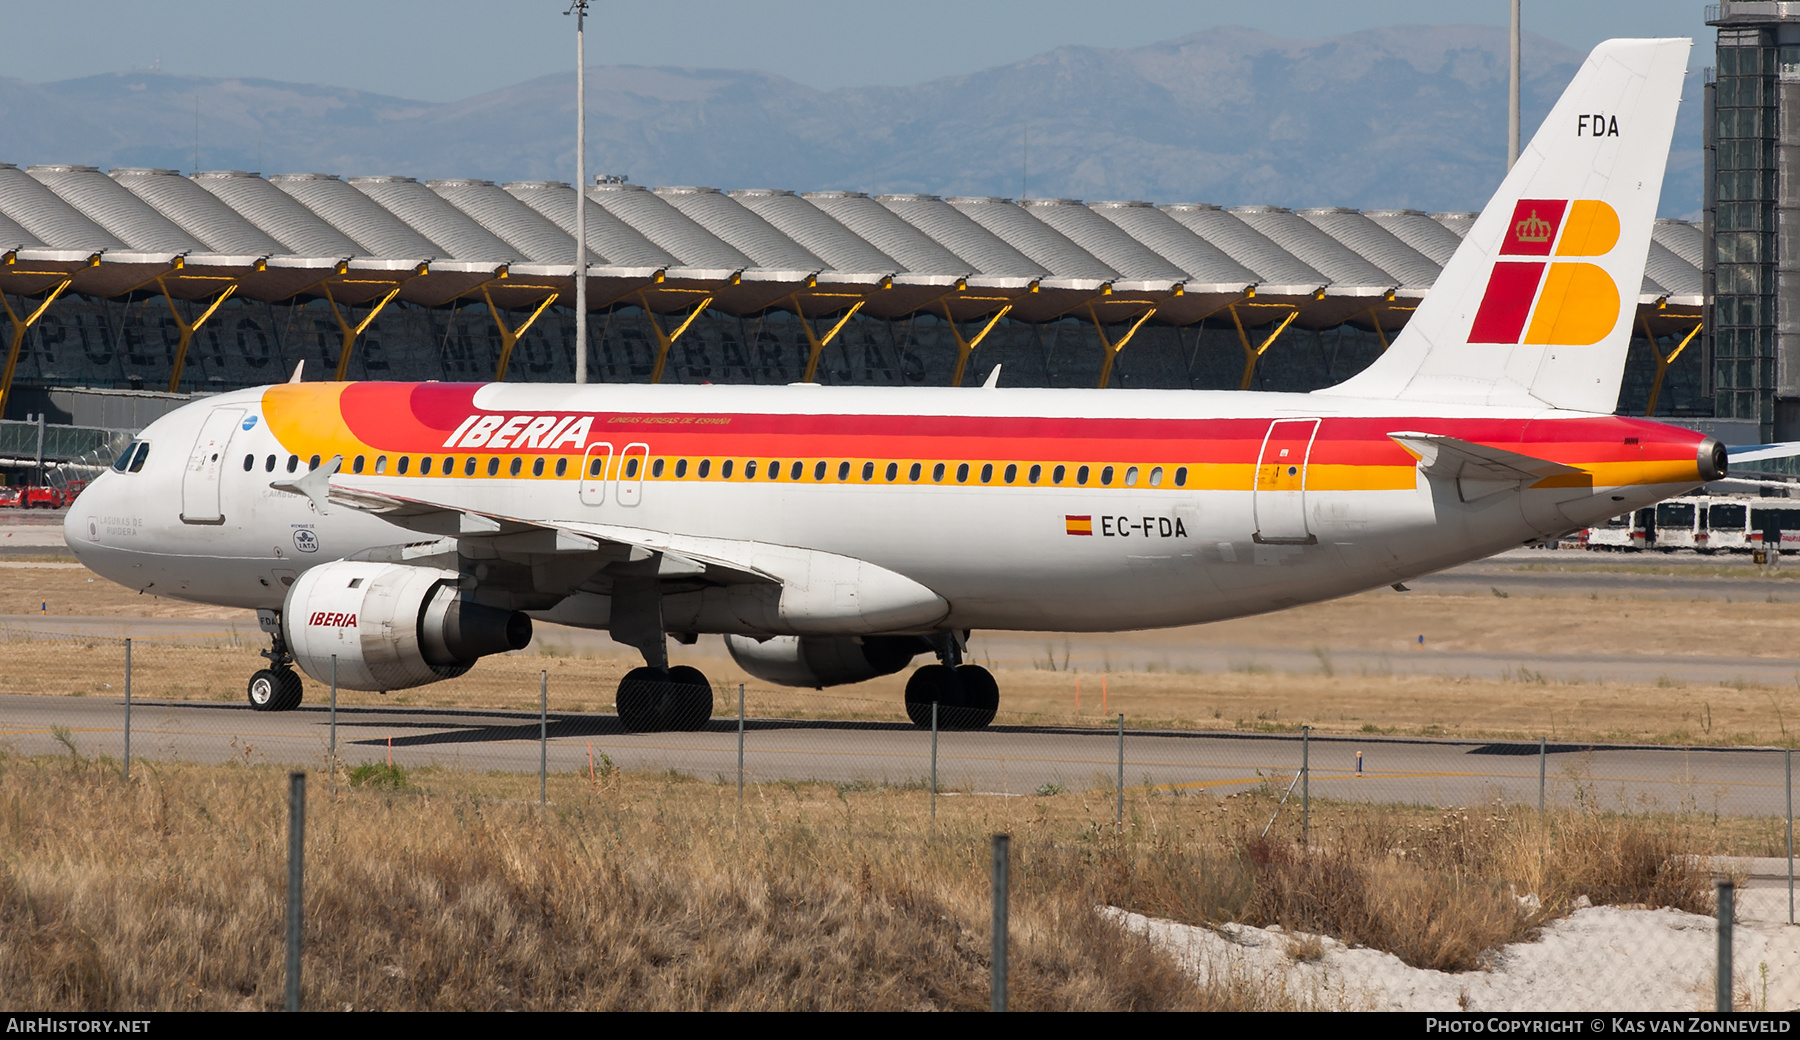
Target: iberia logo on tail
column 1557, row 299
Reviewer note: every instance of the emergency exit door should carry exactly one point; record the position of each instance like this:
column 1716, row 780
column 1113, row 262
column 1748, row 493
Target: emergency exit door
column 1280, row 491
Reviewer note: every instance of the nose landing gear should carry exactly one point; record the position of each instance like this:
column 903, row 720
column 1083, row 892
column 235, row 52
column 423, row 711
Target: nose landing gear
column 277, row 687
column 966, row 695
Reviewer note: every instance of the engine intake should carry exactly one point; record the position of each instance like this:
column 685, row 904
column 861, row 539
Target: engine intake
column 392, row 626
column 819, row 661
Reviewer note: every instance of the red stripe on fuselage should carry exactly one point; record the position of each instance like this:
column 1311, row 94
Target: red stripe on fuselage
column 418, row 418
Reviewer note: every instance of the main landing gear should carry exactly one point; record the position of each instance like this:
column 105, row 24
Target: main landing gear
column 658, row 699
column 277, row 687
column 966, row 695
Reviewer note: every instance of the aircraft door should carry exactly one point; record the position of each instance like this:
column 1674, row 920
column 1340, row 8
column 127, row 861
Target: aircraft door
column 1280, row 490
column 629, row 489
column 200, row 481
column 596, row 469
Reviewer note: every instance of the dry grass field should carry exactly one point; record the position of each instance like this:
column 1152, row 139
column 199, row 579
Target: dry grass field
column 455, row 891
column 1249, row 694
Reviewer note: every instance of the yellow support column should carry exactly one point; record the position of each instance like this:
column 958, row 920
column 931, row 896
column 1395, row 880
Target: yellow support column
column 351, row 332
column 19, row 329
column 187, row 330
column 1663, row 363
column 965, row 349
column 815, row 344
column 510, row 337
column 666, row 340
column 1252, row 354
column 1375, row 319
column 1111, row 349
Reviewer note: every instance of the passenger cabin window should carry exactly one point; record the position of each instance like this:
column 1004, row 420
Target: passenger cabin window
column 1156, row 476
column 868, row 471
column 750, row 470
column 1057, row 474
column 381, row 464
column 293, row 463
column 913, row 473
column 656, row 468
column 1106, row 476
column 515, row 467
column 401, row 465
column 313, row 463
column 843, row 471
column 819, row 471
column 937, row 473
column 796, row 471
column 1012, row 473
column 562, row 466
column 1081, row 475
column 249, row 463
column 494, row 466
column 469, row 466
column 725, row 470
column 1131, row 476
column 269, row 464
column 1035, row 474
column 357, row 466
column 425, row 466
column 962, row 473
column 537, row 466
column 705, row 468
column 987, row 472
column 1181, row 477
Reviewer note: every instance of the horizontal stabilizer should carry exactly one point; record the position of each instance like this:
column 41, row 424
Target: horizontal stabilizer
column 1478, row 469
column 1761, row 452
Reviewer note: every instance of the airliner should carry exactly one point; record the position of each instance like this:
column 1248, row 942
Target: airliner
column 389, row 535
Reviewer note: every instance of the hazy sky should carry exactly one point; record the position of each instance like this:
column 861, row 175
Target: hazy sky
column 449, row 49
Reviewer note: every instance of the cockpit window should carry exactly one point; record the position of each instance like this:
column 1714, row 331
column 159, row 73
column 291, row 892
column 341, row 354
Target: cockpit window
column 132, row 458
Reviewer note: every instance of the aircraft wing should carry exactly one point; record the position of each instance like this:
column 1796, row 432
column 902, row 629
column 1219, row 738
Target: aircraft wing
column 818, row 590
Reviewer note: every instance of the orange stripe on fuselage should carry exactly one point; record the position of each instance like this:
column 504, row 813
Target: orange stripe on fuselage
column 1349, row 453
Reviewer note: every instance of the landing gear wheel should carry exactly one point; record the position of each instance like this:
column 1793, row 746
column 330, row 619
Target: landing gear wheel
column 935, row 683
column 643, row 699
column 275, row 689
column 651, row 700
column 981, row 696
column 695, row 699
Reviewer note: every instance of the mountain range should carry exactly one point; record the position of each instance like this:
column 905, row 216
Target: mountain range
column 1401, row 116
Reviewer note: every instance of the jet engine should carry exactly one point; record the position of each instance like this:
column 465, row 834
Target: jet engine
column 819, row 661
column 392, row 626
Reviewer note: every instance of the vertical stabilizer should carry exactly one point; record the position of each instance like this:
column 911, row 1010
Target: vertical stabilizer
column 1536, row 307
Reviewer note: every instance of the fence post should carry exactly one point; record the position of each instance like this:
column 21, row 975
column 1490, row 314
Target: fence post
column 128, row 711
column 934, row 706
column 543, row 736
column 1305, row 786
column 1789, row 756
column 740, row 745
column 1543, row 753
column 331, row 784
column 1722, row 988
column 296, row 861
column 997, row 959
column 1119, row 807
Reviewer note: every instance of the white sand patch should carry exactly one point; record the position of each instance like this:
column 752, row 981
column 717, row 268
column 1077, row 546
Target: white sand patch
column 1597, row 959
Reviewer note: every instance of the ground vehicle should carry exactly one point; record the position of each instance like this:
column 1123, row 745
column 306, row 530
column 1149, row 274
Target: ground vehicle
column 33, row 496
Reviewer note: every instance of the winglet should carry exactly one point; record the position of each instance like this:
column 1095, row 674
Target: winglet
column 314, row 484
column 993, row 379
column 299, row 366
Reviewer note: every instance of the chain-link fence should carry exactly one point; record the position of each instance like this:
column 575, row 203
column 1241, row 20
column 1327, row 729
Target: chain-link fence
column 1288, row 802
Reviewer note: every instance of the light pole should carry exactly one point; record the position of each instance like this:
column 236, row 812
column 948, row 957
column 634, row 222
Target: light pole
column 1512, row 93
column 579, row 9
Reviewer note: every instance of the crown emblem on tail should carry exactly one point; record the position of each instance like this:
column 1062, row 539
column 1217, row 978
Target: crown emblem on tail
column 1534, row 229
